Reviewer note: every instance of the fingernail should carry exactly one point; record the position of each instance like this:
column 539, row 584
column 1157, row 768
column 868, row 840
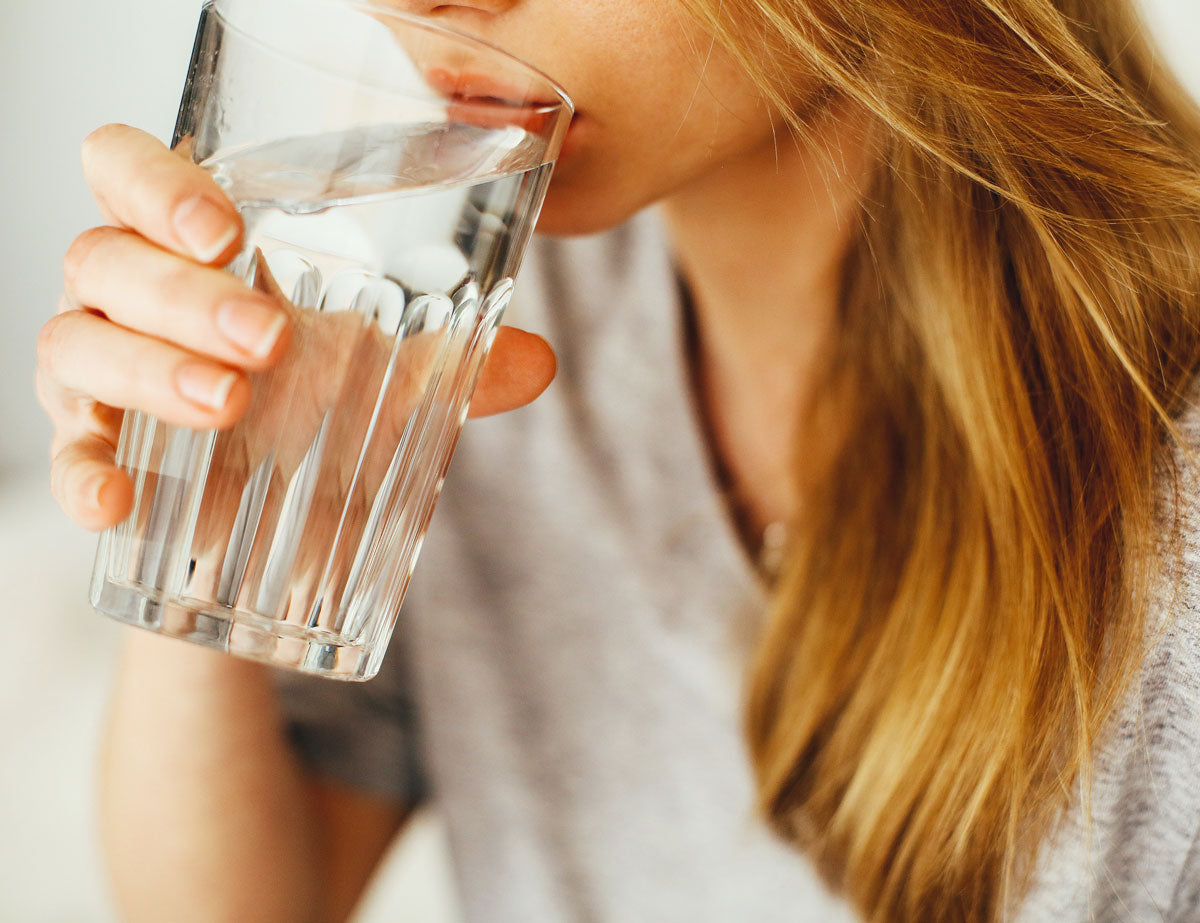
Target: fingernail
column 251, row 326
column 205, row 385
column 204, row 227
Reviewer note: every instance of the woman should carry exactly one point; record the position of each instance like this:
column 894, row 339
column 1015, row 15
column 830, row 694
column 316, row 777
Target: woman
column 922, row 297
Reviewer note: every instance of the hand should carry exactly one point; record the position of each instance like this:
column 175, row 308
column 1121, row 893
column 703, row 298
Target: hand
column 148, row 321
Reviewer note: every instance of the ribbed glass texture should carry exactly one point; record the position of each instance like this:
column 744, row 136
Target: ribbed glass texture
column 390, row 236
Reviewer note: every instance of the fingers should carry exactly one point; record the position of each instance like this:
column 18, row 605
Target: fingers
column 89, row 355
column 140, row 184
column 145, row 288
column 520, row 367
column 88, row 486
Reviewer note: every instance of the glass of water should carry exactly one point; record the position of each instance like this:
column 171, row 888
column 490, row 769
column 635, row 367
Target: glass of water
column 389, row 172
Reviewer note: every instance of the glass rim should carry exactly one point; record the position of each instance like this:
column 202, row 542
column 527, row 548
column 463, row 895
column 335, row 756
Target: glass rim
column 422, row 23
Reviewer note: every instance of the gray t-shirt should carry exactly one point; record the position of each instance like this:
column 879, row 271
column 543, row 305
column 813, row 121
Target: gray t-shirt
column 565, row 679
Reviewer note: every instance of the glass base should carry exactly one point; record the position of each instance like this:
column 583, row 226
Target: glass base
column 243, row 634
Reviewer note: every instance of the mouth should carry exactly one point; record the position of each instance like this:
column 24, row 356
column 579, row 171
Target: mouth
column 483, row 90
column 489, row 102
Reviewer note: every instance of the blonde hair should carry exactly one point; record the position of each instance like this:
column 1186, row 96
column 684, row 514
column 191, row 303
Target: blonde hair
column 963, row 601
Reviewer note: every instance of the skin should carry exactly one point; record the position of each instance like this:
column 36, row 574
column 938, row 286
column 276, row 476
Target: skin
column 149, row 321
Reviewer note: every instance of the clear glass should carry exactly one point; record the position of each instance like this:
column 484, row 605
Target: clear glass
column 389, row 173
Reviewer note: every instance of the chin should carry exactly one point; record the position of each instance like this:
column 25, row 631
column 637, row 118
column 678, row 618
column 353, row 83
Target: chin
column 570, row 210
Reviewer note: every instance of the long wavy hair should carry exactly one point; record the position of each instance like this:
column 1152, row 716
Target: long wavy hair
column 963, row 602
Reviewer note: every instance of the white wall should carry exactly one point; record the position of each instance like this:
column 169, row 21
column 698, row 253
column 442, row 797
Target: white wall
column 1177, row 23
column 66, row 67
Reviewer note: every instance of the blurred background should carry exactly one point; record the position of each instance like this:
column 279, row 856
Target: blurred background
column 66, row 67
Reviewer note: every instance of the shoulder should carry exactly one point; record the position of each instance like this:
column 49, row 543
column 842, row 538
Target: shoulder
column 1135, row 855
column 1164, row 705
column 1171, row 673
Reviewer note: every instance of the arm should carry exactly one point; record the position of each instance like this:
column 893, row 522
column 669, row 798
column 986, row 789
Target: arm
column 206, row 814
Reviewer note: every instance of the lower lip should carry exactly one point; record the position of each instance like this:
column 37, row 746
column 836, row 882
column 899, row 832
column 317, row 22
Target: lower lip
column 481, row 100
column 481, row 89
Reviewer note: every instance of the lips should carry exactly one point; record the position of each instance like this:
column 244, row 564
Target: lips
column 483, row 89
column 486, row 101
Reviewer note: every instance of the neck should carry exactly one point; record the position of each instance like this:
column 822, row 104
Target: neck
column 761, row 243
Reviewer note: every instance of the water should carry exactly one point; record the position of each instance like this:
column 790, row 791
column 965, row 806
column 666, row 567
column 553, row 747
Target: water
column 291, row 536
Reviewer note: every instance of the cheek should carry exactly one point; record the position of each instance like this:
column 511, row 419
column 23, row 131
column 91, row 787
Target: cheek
column 612, row 169
column 659, row 106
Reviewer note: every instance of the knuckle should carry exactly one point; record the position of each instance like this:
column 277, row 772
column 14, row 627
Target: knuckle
column 51, row 339
column 57, row 445
column 45, row 389
column 61, row 462
column 82, row 247
column 98, row 139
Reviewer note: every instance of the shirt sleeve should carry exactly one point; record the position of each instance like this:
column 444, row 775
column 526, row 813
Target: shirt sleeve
column 364, row 735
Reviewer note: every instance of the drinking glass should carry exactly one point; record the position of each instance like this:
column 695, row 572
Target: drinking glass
column 389, row 172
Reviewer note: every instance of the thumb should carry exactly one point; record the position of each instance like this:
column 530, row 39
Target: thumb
column 519, row 367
